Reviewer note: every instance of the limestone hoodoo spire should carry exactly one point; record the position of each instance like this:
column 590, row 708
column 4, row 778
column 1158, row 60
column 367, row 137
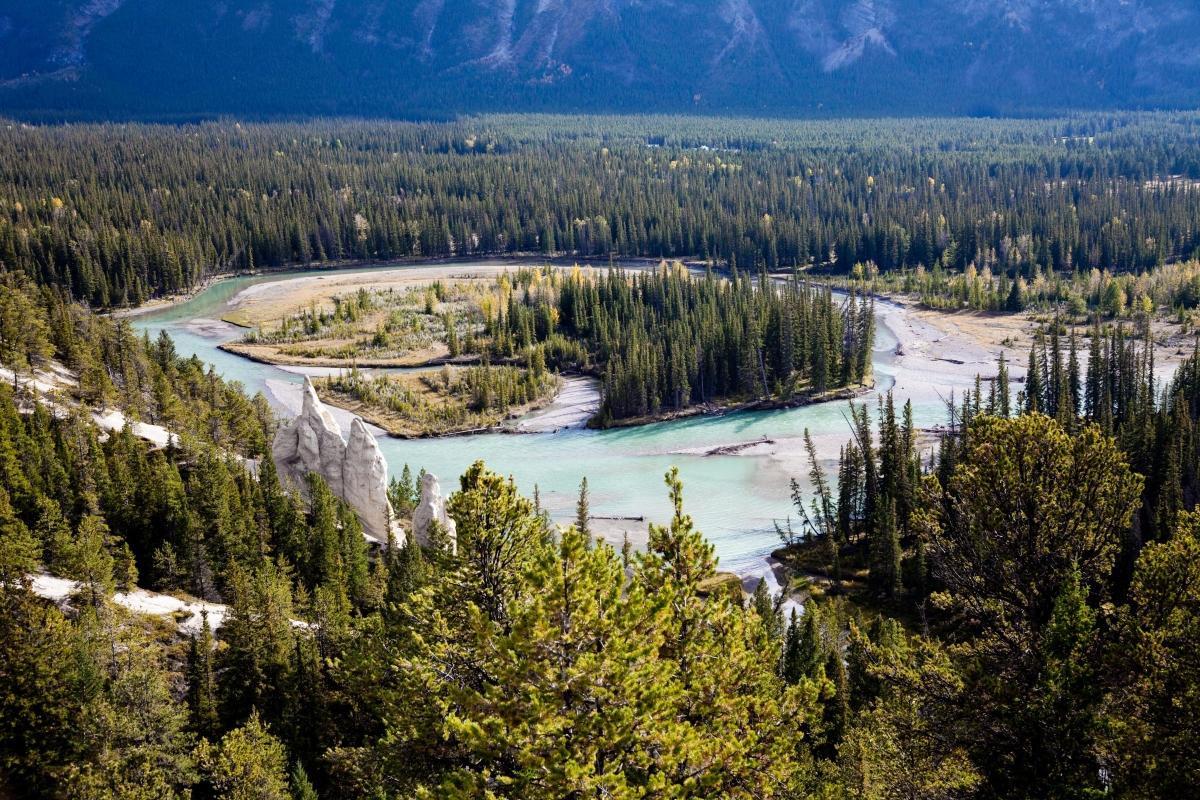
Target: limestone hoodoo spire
column 431, row 508
column 355, row 471
column 365, row 479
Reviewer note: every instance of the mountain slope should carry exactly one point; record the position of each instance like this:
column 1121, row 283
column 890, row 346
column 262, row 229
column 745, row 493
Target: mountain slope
column 399, row 57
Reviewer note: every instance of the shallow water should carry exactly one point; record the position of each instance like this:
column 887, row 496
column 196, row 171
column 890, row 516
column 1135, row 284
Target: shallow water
column 734, row 499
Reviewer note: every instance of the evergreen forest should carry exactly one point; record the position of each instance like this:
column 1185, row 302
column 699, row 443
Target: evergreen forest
column 666, row 341
column 117, row 214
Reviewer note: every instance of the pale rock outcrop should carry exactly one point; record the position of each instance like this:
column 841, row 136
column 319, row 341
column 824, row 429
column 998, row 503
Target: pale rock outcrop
column 364, row 477
column 312, row 442
column 355, row 471
column 432, row 508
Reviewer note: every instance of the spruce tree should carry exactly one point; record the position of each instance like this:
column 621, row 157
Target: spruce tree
column 583, row 511
column 1074, row 384
column 302, row 788
column 1033, row 382
column 1004, row 407
column 885, row 554
column 792, row 666
column 765, row 607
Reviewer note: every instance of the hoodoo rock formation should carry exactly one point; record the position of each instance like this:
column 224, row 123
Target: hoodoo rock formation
column 365, row 480
column 430, row 509
column 356, row 471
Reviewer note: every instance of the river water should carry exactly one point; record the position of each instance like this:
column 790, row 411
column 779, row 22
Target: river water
column 734, row 499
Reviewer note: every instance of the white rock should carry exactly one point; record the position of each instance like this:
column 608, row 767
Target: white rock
column 355, row 472
column 364, row 476
column 432, row 508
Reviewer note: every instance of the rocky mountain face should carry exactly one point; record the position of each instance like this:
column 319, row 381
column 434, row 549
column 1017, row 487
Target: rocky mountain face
column 398, row 57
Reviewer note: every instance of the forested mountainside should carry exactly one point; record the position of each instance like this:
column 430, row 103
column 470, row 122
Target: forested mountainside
column 1025, row 621
column 111, row 367
column 403, row 57
column 117, row 214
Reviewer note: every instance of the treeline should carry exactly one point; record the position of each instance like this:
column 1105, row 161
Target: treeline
column 1172, row 288
column 117, row 214
column 664, row 340
column 1047, row 555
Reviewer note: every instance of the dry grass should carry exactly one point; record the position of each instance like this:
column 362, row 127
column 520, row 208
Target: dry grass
column 430, row 394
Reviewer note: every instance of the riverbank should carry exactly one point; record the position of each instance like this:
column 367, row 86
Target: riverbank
column 156, row 304
column 275, row 356
column 716, row 409
column 945, row 341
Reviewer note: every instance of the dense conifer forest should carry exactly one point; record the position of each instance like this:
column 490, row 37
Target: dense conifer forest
column 109, row 366
column 666, row 340
column 120, row 213
column 1048, row 552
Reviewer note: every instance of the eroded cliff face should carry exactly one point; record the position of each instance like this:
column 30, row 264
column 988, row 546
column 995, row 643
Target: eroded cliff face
column 355, row 470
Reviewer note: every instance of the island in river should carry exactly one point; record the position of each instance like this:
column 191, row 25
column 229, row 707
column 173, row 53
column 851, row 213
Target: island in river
column 474, row 352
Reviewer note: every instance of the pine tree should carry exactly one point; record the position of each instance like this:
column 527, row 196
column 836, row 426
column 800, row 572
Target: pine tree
column 91, row 563
column 39, row 706
column 1004, row 403
column 1151, row 735
column 258, row 630
column 497, row 532
column 1010, row 534
column 20, row 551
column 133, row 727
column 201, row 688
column 247, row 764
